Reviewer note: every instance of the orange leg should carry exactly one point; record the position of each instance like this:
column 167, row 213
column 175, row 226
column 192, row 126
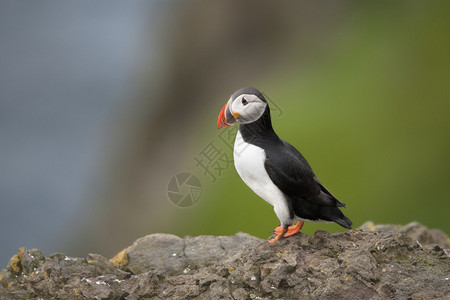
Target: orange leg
column 283, row 232
column 279, row 236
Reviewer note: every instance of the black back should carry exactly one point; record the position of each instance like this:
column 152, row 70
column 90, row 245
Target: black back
column 292, row 174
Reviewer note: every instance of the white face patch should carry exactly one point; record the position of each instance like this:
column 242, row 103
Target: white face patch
column 249, row 107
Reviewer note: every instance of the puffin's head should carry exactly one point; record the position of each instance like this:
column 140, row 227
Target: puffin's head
column 245, row 106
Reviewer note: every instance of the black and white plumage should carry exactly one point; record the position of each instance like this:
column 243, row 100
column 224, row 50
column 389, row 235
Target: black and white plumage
column 273, row 168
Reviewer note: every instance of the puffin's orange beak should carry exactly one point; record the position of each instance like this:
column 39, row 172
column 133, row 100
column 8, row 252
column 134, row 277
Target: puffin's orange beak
column 225, row 118
column 221, row 120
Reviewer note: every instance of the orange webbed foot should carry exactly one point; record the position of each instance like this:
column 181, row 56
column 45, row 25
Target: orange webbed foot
column 294, row 229
column 279, row 236
column 283, row 232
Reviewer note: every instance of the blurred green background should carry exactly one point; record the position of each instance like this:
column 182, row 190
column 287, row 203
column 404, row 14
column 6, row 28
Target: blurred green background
column 363, row 88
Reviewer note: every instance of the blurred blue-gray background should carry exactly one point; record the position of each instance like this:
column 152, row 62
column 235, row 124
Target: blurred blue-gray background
column 102, row 103
column 64, row 69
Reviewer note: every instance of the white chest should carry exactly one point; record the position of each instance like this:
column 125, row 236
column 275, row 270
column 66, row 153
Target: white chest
column 249, row 163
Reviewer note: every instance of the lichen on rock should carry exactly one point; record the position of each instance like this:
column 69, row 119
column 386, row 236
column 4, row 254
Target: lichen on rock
column 375, row 262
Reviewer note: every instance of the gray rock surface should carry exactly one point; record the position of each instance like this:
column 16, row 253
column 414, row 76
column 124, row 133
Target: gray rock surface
column 375, row 262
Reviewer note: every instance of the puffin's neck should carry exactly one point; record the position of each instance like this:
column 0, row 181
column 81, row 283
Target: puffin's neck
column 260, row 128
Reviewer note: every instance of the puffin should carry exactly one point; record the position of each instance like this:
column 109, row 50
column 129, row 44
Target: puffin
column 274, row 169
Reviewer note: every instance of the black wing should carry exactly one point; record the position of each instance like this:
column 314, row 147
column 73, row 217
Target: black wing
column 292, row 174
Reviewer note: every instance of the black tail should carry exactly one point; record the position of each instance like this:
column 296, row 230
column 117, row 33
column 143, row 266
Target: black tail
column 314, row 212
column 334, row 214
column 344, row 222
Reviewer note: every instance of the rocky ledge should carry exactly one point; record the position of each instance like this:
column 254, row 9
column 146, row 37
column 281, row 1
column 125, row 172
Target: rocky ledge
column 372, row 262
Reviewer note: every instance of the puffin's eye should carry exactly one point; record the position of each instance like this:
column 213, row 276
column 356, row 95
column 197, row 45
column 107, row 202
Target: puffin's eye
column 244, row 102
